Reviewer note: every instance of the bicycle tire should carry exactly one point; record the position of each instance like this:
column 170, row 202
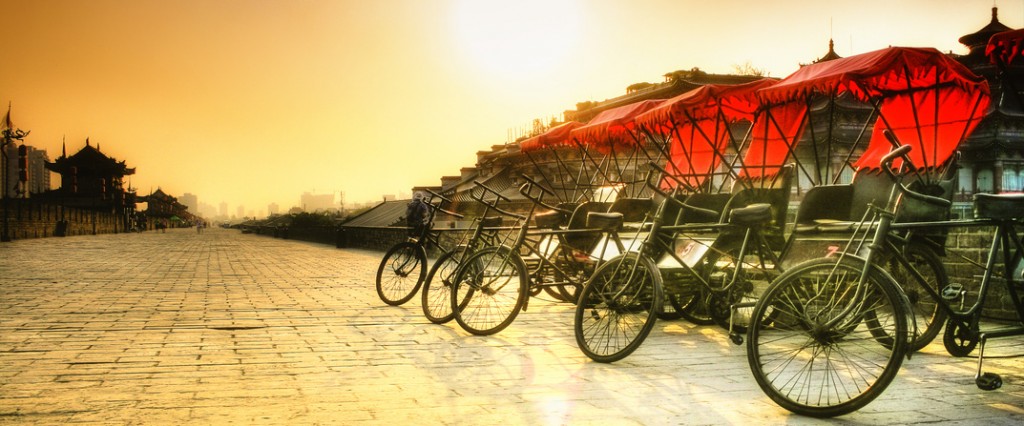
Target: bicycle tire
column 618, row 307
column 401, row 273
column 811, row 360
column 436, row 295
column 929, row 317
column 695, row 308
column 490, row 291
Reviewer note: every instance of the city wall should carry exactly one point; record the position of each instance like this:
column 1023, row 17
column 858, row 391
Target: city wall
column 33, row 219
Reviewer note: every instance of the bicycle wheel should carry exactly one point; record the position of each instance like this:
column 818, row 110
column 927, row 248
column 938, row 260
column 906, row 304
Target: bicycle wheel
column 401, row 273
column 928, row 316
column 752, row 280
column 490, row 290
column 819, row 358
column 618, row 307
column 437, row 288
column 694, row 307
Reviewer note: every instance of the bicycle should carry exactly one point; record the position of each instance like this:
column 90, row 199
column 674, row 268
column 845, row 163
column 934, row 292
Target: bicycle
column 621, row 301
column 437, row 288
column 843, row 325
column 403, row 268
column 496, row 282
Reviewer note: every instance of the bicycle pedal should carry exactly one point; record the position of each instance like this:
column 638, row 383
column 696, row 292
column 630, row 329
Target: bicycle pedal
column 989, row 381
column 952, row 291
column 736, row 339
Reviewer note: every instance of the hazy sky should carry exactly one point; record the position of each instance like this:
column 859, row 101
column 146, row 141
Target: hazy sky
column 256, row 101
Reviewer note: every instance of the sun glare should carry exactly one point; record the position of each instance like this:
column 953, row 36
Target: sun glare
column 516, row 39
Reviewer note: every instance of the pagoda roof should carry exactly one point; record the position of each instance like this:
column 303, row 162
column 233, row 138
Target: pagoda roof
column 90, row 158
column 979, row 39
column 831, row 53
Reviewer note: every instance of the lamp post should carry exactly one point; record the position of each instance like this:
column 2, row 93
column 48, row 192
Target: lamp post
column 9, row 136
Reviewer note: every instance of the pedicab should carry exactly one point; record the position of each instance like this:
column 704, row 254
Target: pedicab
column 547, row 253
column 822, row 349
column 682, row 239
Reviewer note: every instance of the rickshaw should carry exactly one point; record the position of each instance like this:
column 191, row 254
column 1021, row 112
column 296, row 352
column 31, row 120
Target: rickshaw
column 834, row 340
column 701, row 244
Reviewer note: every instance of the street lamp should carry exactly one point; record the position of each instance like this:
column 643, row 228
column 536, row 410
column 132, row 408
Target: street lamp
column 10, row 134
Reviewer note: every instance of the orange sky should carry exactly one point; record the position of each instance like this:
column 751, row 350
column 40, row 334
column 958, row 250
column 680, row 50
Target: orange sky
column 251, row 102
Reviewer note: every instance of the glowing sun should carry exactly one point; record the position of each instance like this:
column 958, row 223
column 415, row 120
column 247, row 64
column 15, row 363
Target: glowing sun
column 516, row 38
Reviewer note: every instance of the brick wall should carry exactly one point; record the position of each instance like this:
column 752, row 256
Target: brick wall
column 965, row 246
column 31, row 219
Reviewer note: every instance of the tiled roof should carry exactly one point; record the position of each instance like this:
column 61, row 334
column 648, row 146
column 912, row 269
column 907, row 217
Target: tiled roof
column 387, row 213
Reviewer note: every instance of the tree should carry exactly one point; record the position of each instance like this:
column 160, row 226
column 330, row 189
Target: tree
column 748, row 69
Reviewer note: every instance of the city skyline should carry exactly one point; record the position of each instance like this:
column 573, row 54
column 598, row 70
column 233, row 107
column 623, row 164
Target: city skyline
column 257, row 102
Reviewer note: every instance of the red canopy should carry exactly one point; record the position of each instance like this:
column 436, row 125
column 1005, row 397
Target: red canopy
column 1005, row 47
column 612, row 124
column 875, row 74
column 555, row 136
column 697, row 121
column 773, row 138
column 898, row 77
column 734, row 103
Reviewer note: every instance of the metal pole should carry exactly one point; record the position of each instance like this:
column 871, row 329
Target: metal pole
column 6, row 237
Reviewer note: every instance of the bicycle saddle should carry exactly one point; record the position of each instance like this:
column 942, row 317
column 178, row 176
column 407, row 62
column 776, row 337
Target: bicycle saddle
column 754, row 214
column 549, row 220
column 999, row 206
column 491, row 221
column 604, row 221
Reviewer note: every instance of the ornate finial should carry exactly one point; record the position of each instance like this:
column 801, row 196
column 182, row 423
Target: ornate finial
column 995, row 14
column 86, row 141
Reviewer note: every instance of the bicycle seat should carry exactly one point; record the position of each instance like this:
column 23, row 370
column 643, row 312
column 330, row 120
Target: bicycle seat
column 604, row 221
column 549, row 220
column 754, row 214
column 999, row 206
column 491, row 221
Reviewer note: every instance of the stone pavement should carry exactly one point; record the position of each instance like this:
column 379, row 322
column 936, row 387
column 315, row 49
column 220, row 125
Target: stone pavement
column 223, row 327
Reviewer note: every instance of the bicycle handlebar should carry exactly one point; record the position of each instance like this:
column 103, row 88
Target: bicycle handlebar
column 902, row 151
column 438, row 208
column 669, row 196
column 436, row 195
column 486, row 189
column 527, row 190
column 664, row 172
column 493, row 205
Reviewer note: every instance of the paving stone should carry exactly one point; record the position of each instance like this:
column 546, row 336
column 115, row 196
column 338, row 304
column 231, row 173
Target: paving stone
column 223, row 327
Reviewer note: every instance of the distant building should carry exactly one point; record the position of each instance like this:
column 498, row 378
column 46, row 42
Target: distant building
column 317, row 202
column 38, row 177
column 273, row 209
column 992, row 159
column 191, row 201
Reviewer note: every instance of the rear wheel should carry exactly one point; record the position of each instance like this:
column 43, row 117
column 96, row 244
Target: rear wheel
column 490, row 290
column 751, row 281
column 437, row 288
column 818, row 357
column 617, row 308
column 401, row 273
column 928, row 316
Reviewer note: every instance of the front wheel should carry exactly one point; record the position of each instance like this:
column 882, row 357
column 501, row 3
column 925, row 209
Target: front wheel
column 618, row 307
column 401, row 273
column 819, row 357
column 490, row 290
